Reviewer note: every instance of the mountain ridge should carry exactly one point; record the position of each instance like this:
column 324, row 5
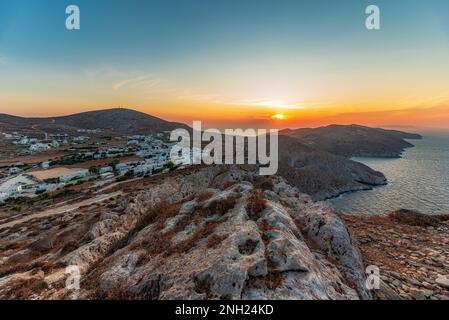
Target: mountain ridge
column 354, row 140
column 118, row 120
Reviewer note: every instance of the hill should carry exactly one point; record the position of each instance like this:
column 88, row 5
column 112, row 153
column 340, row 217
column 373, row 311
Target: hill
column 354, row 140
column 119, row 120
column 320, row 174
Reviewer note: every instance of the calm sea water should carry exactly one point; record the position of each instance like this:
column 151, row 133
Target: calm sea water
column 419, row 181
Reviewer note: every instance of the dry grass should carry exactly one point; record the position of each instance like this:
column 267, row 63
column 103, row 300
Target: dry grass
column 205, row 195
column 191, row 242
column 160, row 244
column 26, row 264
column 219, row 207
column 157, row 215
column 227, row 185
column 157, row 243
column 215, row 240
column 263, row 183
column 416, row 219
column 24, row 289
column 256, row 204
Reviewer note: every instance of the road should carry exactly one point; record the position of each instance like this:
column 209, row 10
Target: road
column 62, row 209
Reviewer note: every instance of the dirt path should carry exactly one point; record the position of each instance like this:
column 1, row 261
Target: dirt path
column 62, row 209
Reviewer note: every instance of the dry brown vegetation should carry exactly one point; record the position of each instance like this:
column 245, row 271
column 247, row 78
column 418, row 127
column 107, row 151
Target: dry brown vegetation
column 215, row 240
column 205, row 195
column 26, row 265
column 158, row 243
column 227, row 185
column 256, row 204
column 22, row 289
column 263, row 183
column 416, row 219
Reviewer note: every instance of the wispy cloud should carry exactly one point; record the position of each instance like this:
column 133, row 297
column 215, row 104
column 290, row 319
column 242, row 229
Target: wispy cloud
column 193, row 96
column 147, row 81
column 269, row 104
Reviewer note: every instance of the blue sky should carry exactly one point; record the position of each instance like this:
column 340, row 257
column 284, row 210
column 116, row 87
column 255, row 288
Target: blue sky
column 125, row 30
column 313, row 53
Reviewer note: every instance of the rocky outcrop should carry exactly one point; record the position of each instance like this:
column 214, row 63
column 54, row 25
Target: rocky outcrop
column 211, row 233
column 235, row 256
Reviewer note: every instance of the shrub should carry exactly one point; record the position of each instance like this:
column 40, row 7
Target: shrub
column 93, row 170
column 256, row 204
column 169, row 165
column 221, row 207
column 263, row 183
column 204, row 195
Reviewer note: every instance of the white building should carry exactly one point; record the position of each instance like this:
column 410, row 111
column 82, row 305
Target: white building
column 45, row 165
column 23, row 141
column 14, row 170
column 39, row 147
column 80, row 139
column 16, row 185
column 133, row 142
column 107, row 175
column 106, row 169
column 77, row 175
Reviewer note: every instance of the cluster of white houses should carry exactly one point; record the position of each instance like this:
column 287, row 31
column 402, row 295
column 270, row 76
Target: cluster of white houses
column 27, row 184
column 34, row 145
column 155, row 154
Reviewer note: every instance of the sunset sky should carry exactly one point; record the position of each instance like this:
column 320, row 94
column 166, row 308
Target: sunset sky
column 230, row 62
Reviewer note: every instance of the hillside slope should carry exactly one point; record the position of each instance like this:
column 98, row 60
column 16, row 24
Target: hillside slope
column 354, row 140
column 206, row 233
column 321, row 174
column 121, row 121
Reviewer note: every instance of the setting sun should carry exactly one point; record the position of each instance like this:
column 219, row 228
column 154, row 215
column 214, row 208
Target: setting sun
column 279, row 116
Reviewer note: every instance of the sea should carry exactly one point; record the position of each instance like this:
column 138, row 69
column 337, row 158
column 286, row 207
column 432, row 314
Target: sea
column 418, row 181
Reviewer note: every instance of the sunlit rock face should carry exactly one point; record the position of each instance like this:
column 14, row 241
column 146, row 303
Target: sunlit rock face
column 208, row 233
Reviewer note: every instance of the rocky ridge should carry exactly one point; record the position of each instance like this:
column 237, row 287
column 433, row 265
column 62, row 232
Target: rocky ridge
column 355, row 140
column 208, row 233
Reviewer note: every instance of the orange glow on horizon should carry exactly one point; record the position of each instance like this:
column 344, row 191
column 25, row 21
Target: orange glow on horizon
column 279, row 116
column 226, row 115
